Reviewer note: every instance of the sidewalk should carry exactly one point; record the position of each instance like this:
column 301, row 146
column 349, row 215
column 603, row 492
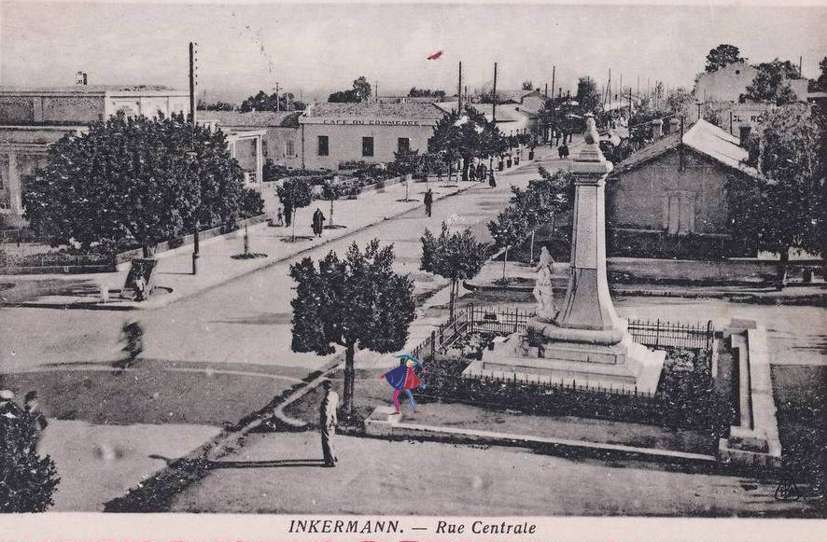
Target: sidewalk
column 523, row 276
column 216, row 266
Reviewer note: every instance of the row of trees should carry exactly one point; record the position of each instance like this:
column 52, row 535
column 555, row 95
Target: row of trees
column 542, row 203
column 260, row 101
column 465, row 135
column 136, row 180
column 360, row 92
column 786, row 207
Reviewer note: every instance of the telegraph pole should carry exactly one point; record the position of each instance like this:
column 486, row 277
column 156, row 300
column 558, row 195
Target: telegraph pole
column 459, row 90
column 195, row 246
column 553, row 80
column 277, row 96
column 494, row 98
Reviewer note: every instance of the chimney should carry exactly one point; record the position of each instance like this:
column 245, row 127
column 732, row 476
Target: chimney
column 657, row 129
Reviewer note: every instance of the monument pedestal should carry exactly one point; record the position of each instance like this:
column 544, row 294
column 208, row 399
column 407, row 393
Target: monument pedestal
column 585, row 343
column 610, row 360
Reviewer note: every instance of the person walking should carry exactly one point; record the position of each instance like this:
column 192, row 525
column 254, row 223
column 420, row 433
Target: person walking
column 404, row 378
column 429, row 201
column 279, row 216
column 328, row 419
column 318, row 222
column 288, row 215
column 492, row 182
column 132, row 334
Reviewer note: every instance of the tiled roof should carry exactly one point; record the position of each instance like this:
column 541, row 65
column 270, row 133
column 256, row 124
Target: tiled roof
column 407, row 110
column 253, row 119
column 704, row 138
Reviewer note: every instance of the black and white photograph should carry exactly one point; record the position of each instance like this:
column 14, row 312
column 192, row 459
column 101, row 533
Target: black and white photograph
column 413, row 271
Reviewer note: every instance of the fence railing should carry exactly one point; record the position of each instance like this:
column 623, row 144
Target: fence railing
column 508, row 320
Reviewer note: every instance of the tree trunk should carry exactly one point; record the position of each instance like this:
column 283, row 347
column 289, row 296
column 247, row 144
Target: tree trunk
column 781, row 277
column 465, row 164
column 331, row 213
column 452, row 300
column 531, row 252
column 293, row 222
column 350, row 377
column 505, row 261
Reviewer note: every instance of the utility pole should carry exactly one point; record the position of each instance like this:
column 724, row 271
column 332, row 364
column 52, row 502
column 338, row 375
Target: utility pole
column 800, row 66
column 630, row 102
column 553, row 77
column 494, row 98
column 277, row 96
column 546, row 91
column 195, row 245
column 459, row 90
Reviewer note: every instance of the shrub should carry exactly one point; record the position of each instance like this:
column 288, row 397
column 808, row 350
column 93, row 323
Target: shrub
column 27, row 481
column 251, row 203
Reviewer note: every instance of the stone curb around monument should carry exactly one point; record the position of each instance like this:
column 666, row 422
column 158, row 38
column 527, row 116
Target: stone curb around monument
column 384, row 423
column 172, row 298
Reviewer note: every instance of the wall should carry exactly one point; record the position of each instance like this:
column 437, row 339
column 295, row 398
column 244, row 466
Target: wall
column 639, row 198
column 345, row 142
column 148, row 106
column 51, row 109
column 274, row 146
column 726, row 84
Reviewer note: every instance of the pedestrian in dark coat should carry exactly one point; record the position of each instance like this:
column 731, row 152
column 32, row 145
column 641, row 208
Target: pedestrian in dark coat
column 491, row 181
column 328, row 419
column 32, row 408
column 288, row 215
column 429, row 201
column 318, row 222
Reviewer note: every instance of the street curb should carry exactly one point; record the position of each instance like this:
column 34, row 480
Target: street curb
column 88, row 305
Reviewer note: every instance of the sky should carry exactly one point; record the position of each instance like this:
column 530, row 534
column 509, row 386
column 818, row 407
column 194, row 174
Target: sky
column 313, row 49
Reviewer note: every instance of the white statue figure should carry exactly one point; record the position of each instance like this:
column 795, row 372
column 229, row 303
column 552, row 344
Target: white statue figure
column 543, row 291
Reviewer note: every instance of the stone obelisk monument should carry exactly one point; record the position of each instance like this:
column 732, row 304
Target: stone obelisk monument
column 586, row 342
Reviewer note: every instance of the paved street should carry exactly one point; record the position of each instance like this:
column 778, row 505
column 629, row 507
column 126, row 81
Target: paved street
column 425, row 478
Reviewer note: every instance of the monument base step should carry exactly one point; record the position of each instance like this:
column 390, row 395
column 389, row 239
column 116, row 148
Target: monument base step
column 639, row 369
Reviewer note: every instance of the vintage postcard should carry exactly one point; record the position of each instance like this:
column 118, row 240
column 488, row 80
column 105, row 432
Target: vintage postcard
column 411, row 271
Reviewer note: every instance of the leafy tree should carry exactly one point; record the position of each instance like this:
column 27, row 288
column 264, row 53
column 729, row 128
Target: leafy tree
column 405, row 163
column 508, row 230
column 543, row 200
column 217, row 106
column 271, row 102
column 587, row 95
column 343, row 96
column 770, row 83
column 362, row 88
column 465, row 136
column 527, row 85
column 425, row 93
column 679, row 101
column 454, row 256
column 331, row 192
column 721, row 56
column 821, row 82
column 783, row 209
column 134, row 178
column 294, row 194
column 27, row 480
column 357, row 302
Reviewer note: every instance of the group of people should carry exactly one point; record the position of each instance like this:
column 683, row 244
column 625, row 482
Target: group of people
column 403, row 379
column 283, row 218
column 563, row 151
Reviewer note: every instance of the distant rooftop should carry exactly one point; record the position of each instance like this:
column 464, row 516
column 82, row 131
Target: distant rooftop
column 90, row 89
column 407, row 110
column 252, row 119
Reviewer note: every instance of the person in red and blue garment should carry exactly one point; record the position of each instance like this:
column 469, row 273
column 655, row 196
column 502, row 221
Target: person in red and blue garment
column 403, row 378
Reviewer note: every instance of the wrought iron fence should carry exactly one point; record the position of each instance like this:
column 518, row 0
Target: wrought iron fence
column 507, row 320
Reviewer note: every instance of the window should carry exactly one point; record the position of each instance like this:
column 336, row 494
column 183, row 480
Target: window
column 324, row 149
column 403, row 144
column 290, row 147
column 367, row 146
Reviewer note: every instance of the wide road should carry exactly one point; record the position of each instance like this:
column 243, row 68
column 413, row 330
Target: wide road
column 232, row 333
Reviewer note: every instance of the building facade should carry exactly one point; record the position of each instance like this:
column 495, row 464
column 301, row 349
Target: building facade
column 32, row 119
column 332, row 134
column 669, row 199
column 281, row 139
